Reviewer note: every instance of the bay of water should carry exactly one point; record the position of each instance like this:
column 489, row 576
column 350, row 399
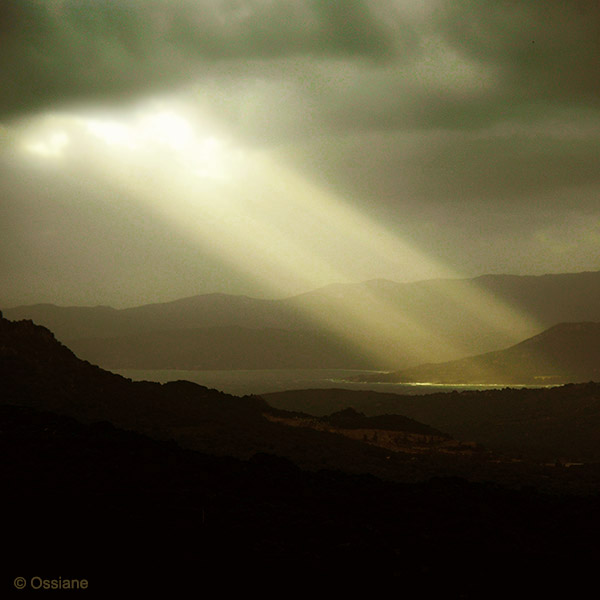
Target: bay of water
column 240, row 382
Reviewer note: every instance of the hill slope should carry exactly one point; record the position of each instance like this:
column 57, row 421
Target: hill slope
column 565, row 353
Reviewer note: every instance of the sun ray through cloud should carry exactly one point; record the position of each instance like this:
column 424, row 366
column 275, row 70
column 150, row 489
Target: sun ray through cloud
column 268, row 222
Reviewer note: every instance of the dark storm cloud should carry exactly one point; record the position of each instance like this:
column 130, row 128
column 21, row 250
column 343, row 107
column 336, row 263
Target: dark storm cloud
column 462, row 65
column 465, row 66
column 501, row 103
column 479, row 63
column 456, row 168
column 546, row 51
column 56, row 50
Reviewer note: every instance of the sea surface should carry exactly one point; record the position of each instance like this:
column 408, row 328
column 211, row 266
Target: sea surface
column 242, row 382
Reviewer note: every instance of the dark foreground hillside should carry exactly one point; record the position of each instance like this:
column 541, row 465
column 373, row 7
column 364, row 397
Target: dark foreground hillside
column 124, row 506
column 133, row 514
column 38, row 372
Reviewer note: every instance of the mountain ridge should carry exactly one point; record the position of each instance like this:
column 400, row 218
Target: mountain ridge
column 484, row 277
column 387, row 327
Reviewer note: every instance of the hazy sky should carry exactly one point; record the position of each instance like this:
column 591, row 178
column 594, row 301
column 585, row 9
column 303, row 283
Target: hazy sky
column 157, row 149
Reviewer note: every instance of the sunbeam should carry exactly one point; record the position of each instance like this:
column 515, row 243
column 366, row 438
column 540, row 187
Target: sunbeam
column 269, row 223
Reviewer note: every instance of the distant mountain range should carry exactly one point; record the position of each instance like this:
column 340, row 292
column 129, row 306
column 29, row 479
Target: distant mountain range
column 377, row 324
column 565, row 353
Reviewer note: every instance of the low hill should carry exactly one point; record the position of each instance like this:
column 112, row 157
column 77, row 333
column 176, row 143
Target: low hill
column 351, row 419
column 565, row 353
column 550, row 424
column 196, row 312
column 392, row 432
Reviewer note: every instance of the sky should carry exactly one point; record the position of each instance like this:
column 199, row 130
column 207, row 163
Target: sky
column 157, row 149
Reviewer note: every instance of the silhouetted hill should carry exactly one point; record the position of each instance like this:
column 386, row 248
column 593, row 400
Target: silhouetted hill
column 348, row 418
column 392, row 432
column 351, row 419
column 372, row 325
column 39, row 372
column 565, row 353
column 549, row 424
